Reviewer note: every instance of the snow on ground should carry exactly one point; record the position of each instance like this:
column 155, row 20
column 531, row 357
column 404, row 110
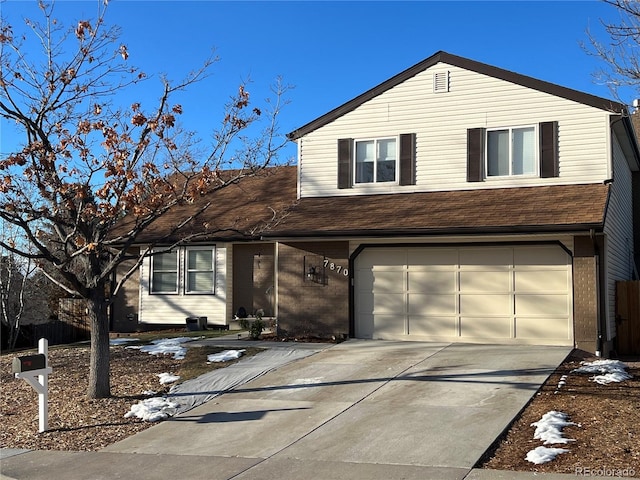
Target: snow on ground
column 549, row 427
column 607, row 371
column 225, row 356
column 166, row 346
column 549, row 430
column 152, row 409
column 544, row 454
column 167, row 378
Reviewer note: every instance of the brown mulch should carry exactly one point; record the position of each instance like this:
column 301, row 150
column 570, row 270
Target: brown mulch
column 609, row 415
column 608, row 438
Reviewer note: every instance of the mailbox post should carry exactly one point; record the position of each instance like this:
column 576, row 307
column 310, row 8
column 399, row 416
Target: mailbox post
column 35, row 370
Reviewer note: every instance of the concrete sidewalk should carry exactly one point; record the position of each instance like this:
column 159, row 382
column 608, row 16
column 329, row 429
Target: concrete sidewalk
column 360, row 409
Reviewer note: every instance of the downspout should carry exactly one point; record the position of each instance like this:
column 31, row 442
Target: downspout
column 599, row 317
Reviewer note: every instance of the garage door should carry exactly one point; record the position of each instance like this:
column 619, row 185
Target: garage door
column 514, row 294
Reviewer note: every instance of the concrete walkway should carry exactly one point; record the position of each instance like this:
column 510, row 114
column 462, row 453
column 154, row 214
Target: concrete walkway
column 360, row 409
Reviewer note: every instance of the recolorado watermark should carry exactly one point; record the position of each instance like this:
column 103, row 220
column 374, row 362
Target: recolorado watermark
column 605, row 472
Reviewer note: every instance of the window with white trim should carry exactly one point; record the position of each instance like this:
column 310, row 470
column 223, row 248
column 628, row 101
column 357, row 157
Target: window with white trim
column 512, row 151
column 164, row 272
column 376, row 160
column 200, row 270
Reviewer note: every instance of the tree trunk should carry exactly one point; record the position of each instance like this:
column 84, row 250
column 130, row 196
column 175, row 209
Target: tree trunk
column 99, row 381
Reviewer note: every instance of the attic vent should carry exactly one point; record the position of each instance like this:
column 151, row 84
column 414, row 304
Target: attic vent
column 441, row 82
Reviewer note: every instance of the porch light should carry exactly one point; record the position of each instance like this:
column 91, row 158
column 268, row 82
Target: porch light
column 312, row 273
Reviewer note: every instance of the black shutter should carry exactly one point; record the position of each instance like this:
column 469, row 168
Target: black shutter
column 549, row 149
column 475, row 154
column 407, row 159
column 345, row 160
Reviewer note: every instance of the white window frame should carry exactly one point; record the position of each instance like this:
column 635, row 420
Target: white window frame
column 376, row 141
column 153, row 271
column 536, row 146
column 187, row 271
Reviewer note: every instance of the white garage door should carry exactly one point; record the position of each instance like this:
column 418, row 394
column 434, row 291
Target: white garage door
column 519, row 294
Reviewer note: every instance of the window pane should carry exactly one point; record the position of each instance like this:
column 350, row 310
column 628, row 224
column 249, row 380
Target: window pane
column 164, row 282
column 364, row 161
column 386, row 168
column 200, row 259
column 165, row 261
column 200, row 281
column 498, row 152
column 524, row 151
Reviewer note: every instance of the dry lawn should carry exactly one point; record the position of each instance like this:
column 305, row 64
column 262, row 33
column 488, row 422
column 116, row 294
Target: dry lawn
column 609, row 435
column 609, row 417
column 75, row 422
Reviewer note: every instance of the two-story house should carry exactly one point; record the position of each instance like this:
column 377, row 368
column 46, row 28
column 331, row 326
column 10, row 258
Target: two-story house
column 456, row 201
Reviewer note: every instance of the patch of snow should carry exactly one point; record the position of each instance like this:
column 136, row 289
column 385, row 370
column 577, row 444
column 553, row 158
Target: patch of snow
column 166, row 346
column 549, row 428
column 543, row 454
column 121, row 341
column 607, row 371
column 152, row 409
column 168, row 378
column 149, row 393
column 225, row 356
column 561, row 383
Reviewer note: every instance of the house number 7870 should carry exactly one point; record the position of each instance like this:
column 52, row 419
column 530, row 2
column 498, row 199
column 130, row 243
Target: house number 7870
column 336, row 268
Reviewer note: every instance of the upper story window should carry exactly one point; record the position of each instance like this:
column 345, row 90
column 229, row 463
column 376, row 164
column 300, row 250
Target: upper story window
column 512, row 151
column 164, row 272
column 376, row 160
column 200, row 270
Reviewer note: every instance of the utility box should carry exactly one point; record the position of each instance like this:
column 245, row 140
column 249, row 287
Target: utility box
column 28, row 363
column 196, row 323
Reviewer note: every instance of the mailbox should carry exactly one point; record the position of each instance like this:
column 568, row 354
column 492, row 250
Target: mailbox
column 29, row 362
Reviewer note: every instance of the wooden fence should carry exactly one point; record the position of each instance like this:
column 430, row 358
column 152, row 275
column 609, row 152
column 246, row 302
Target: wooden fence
column 628, row 317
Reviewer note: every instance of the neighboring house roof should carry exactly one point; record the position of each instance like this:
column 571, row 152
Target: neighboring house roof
column 239, row 211
column 502, row 210
column 472, row 65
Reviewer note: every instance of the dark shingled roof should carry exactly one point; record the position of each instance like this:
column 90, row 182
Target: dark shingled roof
column 500, row 210
column 245, row 211
column 238, row 211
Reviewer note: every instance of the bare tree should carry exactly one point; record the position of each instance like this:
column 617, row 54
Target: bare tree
column 84, row 162
column 620, row 52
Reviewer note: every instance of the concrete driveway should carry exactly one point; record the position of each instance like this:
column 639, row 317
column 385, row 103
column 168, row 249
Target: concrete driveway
column 360, row 409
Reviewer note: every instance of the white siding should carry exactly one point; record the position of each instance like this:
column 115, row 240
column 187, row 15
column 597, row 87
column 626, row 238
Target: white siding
column 440, row 122
column 174, row 309
column 619, row 233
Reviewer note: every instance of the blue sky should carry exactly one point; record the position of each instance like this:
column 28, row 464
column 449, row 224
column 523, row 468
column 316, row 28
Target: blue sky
column 333, row 51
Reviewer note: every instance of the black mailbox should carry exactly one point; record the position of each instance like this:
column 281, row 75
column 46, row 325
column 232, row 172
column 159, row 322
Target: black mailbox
column 29, row 362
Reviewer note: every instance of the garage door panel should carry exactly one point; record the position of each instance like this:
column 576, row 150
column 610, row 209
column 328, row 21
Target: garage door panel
column 532, row 281
column 388, row 281
column 388, row 326
column 485, row 282
column 484, row 257
column 436, row 326
column 431, row 281
column 485, row 305
column 485, row 327
column 388, row 303
column 383, row 257
column 547, row 328
column 420, row 304
column 542, row 305
column 432, row 257
column 540, row 255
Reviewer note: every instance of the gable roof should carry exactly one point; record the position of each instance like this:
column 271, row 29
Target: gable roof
column 472, row 65
column 557, row 208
